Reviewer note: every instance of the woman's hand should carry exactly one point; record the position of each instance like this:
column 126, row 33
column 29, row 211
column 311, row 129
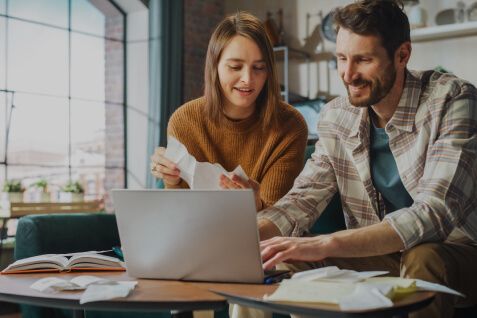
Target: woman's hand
column 163, row 168
column 236, row 182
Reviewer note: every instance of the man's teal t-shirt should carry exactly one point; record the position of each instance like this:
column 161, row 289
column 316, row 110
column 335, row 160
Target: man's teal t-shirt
column 385, row 174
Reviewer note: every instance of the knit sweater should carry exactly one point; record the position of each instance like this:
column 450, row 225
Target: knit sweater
column 272, row 157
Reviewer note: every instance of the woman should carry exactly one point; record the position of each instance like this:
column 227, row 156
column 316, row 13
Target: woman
column 241, row 119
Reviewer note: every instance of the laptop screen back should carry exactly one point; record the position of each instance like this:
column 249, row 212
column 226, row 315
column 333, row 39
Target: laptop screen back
column 202, row 235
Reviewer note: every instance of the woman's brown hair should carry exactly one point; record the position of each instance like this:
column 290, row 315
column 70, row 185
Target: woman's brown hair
column 249, row 26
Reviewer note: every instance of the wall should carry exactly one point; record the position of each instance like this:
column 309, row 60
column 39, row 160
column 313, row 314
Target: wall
column 197, row 32
column 114, row 143
column 456, row 55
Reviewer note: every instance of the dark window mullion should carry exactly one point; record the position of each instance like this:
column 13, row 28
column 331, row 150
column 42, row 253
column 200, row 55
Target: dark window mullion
column 69, row 90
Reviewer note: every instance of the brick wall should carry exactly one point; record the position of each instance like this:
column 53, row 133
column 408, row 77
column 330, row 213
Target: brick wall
column 200, row 20
column 114, row 86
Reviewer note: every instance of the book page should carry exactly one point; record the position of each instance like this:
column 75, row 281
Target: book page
column 51, row 261
column 94, row 261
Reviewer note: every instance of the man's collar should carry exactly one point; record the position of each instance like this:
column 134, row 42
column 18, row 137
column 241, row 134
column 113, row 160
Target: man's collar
column 405, row 113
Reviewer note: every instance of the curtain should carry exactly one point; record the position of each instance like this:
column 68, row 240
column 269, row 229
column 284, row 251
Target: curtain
column 165, row 71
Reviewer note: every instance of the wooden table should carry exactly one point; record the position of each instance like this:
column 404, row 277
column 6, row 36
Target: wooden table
column 253, row 297
column 179, row 298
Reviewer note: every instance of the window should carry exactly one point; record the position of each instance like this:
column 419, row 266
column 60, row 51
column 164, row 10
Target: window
column 61, row 93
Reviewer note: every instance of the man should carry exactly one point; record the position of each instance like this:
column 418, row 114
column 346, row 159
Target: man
column 401, row 151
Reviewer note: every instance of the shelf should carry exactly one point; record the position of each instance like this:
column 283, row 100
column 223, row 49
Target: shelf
column 444, row 31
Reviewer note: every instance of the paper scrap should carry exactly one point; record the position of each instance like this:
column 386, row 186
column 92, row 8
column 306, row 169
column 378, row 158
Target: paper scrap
column 364, row 298
column 97, row 288
column 46, row 283
column 314, row 292
column 105, row 292
column 333, row 273
column 198, row 175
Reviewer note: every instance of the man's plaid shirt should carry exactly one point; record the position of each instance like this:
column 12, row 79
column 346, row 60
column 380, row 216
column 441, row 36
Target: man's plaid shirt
column 433, row 138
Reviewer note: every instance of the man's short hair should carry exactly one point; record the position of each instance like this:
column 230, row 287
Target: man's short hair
column 383, row 18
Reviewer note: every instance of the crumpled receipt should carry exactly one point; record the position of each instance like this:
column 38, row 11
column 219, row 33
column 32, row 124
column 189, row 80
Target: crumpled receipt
column 349, row 289
column 198, row 175
column 96, row 288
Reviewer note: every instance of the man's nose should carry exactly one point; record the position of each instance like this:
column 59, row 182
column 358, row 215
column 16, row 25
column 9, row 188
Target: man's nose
column 350, row 73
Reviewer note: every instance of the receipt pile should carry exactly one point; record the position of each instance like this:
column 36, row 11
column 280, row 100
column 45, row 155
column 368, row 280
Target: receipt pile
column 349, row 289
column 96, row 288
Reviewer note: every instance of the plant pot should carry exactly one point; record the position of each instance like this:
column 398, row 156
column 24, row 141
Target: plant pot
column 71, row 197
column 12, row 196
column 41, row 197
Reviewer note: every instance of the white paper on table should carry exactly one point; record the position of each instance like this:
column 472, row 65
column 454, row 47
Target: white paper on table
column 363, row 298
column 325, row 285
column 423, row 285
column 86, row 280
column 46, row 283
column 334, row 274
column 77, row 283
column 96, row 292
column 198, row 175
column 314, row 292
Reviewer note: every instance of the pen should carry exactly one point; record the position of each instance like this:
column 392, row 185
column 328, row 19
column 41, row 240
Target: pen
column 276, row 279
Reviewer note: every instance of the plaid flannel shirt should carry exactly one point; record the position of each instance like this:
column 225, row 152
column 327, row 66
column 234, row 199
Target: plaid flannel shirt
column 433, row 138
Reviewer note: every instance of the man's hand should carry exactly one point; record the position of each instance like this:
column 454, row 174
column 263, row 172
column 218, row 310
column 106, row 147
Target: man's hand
column 163, row 168
column 372, row 240
column 290, row 249
column 235, row 182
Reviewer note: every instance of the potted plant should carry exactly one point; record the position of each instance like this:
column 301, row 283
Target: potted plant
column 72, row 192
column 41, row 193
column 13, row 191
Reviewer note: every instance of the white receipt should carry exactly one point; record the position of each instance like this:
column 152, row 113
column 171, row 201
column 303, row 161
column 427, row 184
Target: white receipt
column 96, row 288
column 198, row 175
column 105, row 292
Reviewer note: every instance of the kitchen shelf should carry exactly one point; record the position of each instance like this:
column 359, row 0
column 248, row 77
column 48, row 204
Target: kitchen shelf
column 446, row 31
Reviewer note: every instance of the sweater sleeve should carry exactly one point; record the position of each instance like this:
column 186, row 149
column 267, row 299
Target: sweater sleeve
column 282, row 171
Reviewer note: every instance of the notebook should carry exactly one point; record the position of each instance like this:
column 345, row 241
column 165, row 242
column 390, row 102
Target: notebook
column 198, row 235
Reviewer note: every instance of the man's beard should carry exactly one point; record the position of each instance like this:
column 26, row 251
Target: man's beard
column 379, row 89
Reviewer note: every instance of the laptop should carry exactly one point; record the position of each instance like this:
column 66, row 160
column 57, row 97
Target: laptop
column 197, row 235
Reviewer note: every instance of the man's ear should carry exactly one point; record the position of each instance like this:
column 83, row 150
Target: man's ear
column 403, row 53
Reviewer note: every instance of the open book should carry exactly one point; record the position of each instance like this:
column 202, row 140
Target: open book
column 88, row 261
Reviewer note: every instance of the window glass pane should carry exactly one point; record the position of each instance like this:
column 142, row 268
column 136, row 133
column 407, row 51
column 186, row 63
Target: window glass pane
column 3, row 51
column 39, row 131
column 86, row 17
column 88, row 146
column 87, row 67
column 92, row 180
column 2, row 176
column 45, row 71
column 114, row 77
column 28, row 174
column 54, row 12
column 87, row 133
column 3, row 6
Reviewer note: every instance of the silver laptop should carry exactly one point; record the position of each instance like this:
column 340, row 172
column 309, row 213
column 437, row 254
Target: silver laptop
column 200, row 235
